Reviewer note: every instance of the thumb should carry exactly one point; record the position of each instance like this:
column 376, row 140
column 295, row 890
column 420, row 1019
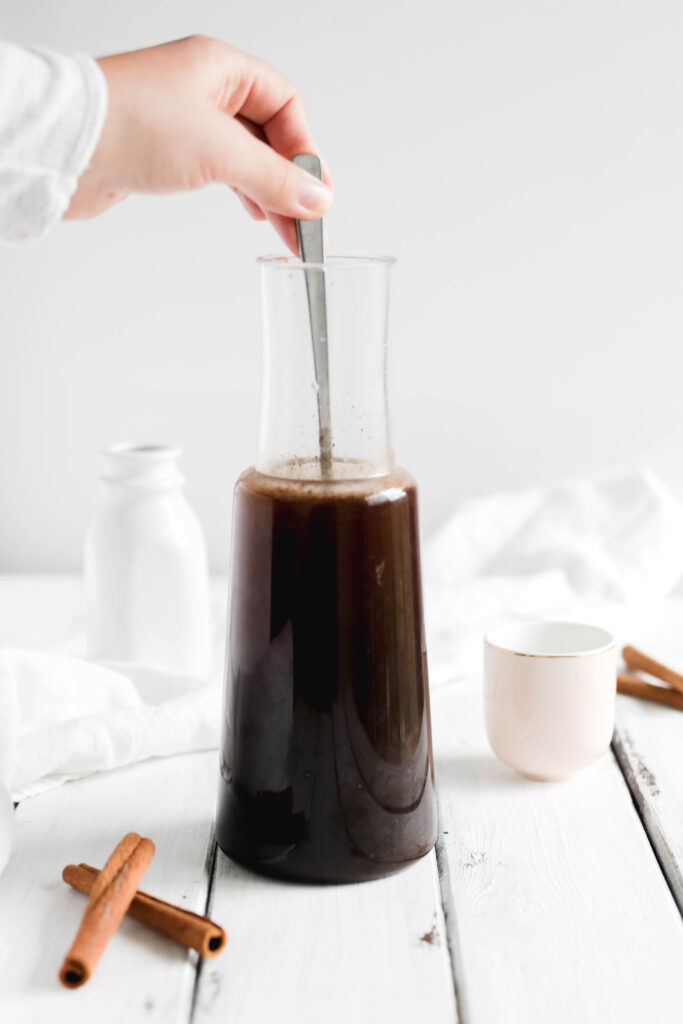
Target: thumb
column 268, row 179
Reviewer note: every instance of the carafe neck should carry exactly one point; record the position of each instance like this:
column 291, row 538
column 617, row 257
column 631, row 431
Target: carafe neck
column 356, row 294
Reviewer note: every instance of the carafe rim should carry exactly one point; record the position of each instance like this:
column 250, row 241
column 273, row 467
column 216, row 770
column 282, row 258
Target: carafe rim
column 351, row 261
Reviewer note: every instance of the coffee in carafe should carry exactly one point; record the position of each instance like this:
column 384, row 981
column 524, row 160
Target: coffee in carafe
column 326, row 762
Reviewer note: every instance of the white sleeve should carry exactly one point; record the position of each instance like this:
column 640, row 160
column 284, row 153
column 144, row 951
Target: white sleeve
column 52, row 108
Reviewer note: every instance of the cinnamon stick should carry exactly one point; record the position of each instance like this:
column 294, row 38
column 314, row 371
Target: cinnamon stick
column 635, row 687
column 638, row 660
column 110, row 896
column 191, row 930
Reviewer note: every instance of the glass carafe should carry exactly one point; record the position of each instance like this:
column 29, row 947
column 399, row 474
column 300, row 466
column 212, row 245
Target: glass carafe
column 326, row 760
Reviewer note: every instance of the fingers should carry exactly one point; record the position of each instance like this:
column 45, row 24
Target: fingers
column 252, row 209
column 287, row 130
column 306, row 147
column 89, row 202
column 270, row 107
column 264, row 176
column 272, row 112
column 286, row 229
column 288, row 133
column 269, row 99
column 284, row 226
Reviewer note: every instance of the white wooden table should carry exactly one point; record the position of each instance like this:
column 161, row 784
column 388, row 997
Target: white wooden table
column 541, row 903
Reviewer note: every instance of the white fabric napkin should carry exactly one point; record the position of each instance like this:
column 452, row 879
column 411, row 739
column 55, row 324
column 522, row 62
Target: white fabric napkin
column 608, row 551
column 63, row 717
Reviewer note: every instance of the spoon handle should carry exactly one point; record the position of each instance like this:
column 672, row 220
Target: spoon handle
column 311, row 248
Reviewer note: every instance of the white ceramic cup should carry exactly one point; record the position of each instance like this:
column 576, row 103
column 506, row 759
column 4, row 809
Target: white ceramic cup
column 549, row 696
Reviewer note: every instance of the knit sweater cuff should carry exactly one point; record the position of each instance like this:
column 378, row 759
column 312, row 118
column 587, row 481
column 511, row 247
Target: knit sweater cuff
column 52, row 109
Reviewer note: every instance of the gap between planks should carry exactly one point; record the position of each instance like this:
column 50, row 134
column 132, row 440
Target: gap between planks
column 647, row 797
column 210, row 871
column 449, row 916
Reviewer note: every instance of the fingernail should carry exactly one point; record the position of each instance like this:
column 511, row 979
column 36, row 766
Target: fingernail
column 313, row 195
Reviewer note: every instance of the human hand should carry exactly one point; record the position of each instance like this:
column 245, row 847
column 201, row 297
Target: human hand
column 195, row 111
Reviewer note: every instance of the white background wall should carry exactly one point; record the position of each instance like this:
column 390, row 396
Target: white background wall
column 522, row 158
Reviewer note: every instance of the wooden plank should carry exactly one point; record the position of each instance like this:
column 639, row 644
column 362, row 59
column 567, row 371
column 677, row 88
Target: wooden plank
column 339, row 954
column 555, row 905
column 142, row 976
column 648, row 742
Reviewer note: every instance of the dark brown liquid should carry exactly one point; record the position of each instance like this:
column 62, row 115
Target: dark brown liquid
column 326, row 764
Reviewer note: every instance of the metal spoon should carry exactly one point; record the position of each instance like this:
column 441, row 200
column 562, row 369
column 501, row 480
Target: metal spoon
column 311, row 247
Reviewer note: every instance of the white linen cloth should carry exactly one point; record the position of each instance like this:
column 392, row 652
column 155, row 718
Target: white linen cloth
column 607, row 551
column 52, row 109
column 62, row 716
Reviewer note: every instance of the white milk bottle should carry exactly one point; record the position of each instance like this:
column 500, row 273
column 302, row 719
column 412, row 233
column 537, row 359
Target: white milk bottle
column 146, row 570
